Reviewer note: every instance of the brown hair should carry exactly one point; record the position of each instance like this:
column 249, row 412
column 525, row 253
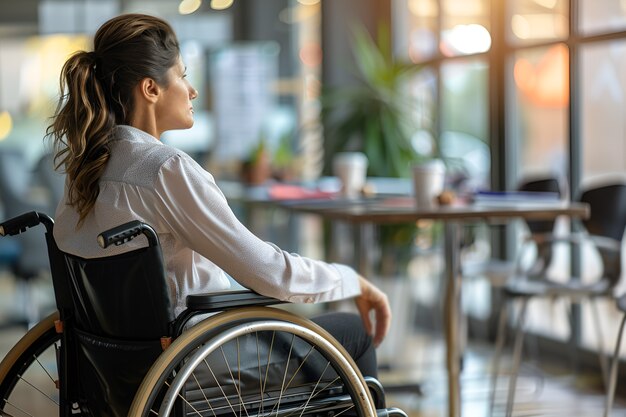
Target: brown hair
column 96, row 95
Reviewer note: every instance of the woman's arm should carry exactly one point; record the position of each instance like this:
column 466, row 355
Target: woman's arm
column 197, row 213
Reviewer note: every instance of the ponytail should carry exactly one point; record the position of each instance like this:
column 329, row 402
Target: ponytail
column 96, row 95
column 81, row 130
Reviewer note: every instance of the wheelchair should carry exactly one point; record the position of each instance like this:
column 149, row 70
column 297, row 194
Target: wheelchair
column 245, row 358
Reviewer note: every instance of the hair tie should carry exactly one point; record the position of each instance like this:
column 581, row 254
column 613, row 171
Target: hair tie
column 95, row 57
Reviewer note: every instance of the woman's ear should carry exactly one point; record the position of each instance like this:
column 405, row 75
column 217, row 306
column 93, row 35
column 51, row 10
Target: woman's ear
column 149, row 90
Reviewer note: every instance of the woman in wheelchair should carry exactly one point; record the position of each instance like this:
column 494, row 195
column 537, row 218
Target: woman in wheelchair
column 116, row 102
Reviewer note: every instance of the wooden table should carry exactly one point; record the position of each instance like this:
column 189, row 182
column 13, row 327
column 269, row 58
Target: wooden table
column 402, row 210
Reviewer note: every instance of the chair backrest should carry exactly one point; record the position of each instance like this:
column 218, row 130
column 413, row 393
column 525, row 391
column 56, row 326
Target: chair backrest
column 120, row 309
column 607, row 219
column 551, row 185
column 115, row 313
column 123, row 297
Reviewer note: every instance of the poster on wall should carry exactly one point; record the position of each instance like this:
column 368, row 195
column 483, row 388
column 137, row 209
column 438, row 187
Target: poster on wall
column 242, row 80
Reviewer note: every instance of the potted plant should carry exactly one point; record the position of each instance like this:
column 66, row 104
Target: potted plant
column 379, row 118
column 256, row 169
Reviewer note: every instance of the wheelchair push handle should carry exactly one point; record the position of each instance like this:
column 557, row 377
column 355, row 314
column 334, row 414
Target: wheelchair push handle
column 19, row 224
column 127, row 232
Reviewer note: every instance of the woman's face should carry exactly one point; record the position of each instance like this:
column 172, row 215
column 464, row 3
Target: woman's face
column 174, row 109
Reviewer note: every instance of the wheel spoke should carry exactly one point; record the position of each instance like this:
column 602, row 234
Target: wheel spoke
column 267, row 367
column 237, row 388
column 16, row 407
column 37, row 389
column 239, row 379
column 220, row 387
column 282, row 388
column 258, row 354
column 203, row 394
column 187, row 402
column 311, row 350
column 343, row 411
column 44, row 368
column 313, row 390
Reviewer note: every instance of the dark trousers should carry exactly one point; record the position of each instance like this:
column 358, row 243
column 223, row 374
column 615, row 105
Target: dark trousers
column 348, row 329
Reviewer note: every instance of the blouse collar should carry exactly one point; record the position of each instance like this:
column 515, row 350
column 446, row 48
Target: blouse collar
column 125, row 132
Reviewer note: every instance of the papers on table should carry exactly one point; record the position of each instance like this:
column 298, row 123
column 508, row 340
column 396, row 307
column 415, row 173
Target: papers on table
column 517, row 198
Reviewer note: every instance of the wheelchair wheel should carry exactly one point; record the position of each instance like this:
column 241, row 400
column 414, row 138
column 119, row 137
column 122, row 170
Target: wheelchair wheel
column 254, row 361
column 28, row 373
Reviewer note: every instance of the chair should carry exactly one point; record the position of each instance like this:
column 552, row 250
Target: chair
column 499, row 270
column 610, row 395
column 248, row 359
column 604, row 230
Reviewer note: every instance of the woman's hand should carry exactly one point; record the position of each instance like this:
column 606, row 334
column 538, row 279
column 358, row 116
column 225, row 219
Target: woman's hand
column 373, row 299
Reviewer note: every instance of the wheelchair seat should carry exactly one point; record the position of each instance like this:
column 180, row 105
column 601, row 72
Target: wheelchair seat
column 120, row 351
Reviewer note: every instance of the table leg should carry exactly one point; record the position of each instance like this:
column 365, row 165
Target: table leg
column 451, row 316
column 363, row 236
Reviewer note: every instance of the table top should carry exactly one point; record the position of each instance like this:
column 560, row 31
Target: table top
column 403, row 210
column 397, row 206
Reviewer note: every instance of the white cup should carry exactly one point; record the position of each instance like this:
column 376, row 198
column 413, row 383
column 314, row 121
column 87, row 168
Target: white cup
column 428, row 183
column 351, row 169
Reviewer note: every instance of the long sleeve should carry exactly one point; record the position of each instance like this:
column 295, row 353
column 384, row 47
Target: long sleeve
column 198, row 215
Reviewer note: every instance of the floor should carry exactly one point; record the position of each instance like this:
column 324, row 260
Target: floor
column 417, row 356
column 540, row 392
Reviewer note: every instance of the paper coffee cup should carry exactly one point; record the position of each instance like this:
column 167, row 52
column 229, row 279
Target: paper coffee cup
column 351, row 169
column 428, row 183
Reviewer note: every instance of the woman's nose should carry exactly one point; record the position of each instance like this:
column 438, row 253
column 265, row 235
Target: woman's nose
column 193, row 93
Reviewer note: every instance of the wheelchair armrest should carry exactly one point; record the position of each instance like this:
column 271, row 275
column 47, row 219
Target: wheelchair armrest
column 224, row 300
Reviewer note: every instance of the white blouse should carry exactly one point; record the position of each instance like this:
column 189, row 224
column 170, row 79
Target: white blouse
column 200, row 236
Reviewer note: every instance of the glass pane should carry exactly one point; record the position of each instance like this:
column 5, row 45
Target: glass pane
column 415, row 28
column 602, row 15
column 464, row 121
column 464, row 144
column 538, row 88
column 532, row 21
column 423, row 88
column 602, row 105
column 465, row 27
column 603, row 97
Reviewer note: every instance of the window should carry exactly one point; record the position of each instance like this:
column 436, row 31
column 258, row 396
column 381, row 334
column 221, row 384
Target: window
column 543, row 79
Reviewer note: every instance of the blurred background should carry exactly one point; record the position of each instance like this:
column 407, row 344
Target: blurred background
column 502, row 90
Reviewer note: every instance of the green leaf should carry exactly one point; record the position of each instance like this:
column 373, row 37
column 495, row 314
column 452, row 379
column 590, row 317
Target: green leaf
column 378, row 115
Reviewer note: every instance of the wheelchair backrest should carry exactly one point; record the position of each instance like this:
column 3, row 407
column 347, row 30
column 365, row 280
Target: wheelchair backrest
column 114, row 312
column 124, row 296
column 121, row 310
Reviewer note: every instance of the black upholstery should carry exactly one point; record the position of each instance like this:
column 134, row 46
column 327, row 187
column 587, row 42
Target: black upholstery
column 123, row 296
column 543, row 185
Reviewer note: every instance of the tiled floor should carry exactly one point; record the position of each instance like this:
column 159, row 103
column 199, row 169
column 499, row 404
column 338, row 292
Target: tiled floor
column 539, row 392
column 416, row 356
